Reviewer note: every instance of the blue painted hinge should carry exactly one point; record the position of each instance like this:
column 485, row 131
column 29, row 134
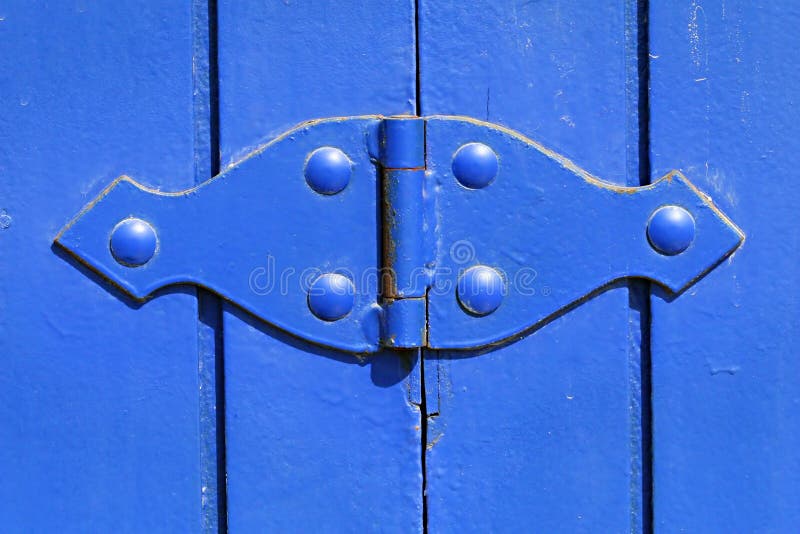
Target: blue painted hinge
column 404, row 279
column 367, row 232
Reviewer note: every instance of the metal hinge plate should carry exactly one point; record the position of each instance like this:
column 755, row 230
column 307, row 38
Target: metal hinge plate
column 364, row 232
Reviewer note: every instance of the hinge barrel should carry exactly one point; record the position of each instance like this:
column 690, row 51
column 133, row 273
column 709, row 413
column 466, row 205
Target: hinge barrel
column 403, row 252
column 402, row 149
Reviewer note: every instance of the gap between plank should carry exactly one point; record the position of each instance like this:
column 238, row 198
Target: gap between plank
column 639, row 173
column 423, row 403
column 211, row 385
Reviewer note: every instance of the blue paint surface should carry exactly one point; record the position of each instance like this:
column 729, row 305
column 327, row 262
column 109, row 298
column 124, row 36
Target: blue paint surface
column 542, row 434
column 726, row 393
column 98, row 397
column 317, row 439
column 256, row 234
column 195, row 226
column 108, row 408
column 545, row 224
column 402, row 143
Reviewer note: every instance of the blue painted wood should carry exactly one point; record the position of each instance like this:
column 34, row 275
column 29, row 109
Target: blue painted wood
column 542, row 434
column 99, row 403
column 725, row 366
column 316, row 439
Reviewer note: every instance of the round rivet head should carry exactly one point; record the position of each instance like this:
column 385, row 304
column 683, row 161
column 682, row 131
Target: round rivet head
column 670, row 230
column 328, row 170
column 133, row 242
column 331, row 296
column 480, row 290
column 475, row 165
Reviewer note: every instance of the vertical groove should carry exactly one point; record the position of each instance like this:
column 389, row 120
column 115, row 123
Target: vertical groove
column 418, row 100
column 209, row 306
column 423, row 428
column 639, row 290
column 423, row 404
column 643, row 48
column 219, row 361
column 213, row 87
column 643, row 61
column 638, row 172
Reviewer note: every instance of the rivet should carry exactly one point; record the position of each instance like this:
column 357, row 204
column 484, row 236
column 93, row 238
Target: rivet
column 133, row 242
column 670, row 230
column 328, row 170
column 331, row 296
column 475, row 165
column 480, row 290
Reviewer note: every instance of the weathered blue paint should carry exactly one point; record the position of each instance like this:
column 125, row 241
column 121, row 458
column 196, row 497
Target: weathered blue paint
column 402, row 157
column 102, row 407
column 317, row 439
column 248, row 234
column 194, row 228
column 98, row 396
column 544, row 222
column 404, row 322
column 404, row 254
column 402, row 143
column 542, row 434
column 726, row 372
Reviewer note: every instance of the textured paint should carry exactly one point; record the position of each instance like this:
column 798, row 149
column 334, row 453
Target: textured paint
column 726, row 373
column 213, row 235
column 535, row 213
column 545, row 223
column 105, row 426
column 318, row 440
column 537, row 435
column 99, row 407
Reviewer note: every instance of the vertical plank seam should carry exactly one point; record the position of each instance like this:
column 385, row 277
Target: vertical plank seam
column 645, row 173
column 209, row 326
column 423, row 406
column 638, row 174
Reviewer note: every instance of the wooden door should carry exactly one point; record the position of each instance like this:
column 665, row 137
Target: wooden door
column 632, row 409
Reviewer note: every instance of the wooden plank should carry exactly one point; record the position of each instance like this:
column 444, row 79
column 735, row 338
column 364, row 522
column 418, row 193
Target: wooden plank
column 543, row 434
column 99, row 405
column 316, row 439
column 725, row 366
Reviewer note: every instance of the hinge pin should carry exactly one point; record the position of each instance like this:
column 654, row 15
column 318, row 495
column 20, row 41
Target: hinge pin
column 404, row 280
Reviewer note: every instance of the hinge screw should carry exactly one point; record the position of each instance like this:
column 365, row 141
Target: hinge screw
column 328, row 170
column 331, row 296
column 133, row 242
column 475, row 165
column 481, row 290
column 670, row 230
